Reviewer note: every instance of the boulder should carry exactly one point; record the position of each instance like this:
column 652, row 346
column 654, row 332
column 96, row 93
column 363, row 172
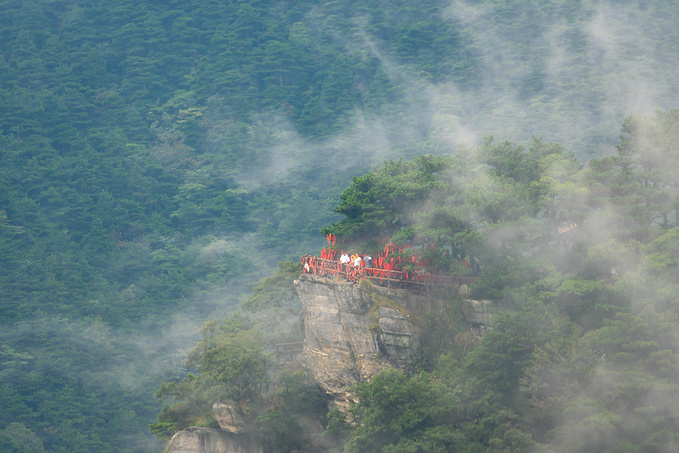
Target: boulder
column 397, row 337
column 209, row 440
column 479, row 314
column 229, row 416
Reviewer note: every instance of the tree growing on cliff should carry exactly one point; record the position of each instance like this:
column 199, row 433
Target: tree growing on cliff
column 383, row 202
column 230, row 364
column 397, row 413
column 638, row 187
column 234, row 361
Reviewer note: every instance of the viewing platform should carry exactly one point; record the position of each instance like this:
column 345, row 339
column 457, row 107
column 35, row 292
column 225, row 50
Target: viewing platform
column 390, row 278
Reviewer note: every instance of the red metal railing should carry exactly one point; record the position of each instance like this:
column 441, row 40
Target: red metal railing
column 385, row 277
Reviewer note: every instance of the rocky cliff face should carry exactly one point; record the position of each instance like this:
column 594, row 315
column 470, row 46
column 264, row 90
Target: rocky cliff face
column 353, row 332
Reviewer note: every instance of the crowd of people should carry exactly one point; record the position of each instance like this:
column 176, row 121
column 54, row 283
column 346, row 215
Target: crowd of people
column 390, row 264
column 390, row 258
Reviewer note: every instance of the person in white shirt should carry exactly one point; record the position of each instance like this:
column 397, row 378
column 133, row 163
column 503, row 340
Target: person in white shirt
column 344, row 259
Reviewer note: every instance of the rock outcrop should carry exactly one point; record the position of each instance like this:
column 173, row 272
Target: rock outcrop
column 229, row 416
column 348, row 337
column 479, row 315
column 340, row 347
column 209, row 440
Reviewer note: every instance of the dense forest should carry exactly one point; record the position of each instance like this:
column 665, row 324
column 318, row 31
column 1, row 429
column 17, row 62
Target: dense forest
column 157, row 159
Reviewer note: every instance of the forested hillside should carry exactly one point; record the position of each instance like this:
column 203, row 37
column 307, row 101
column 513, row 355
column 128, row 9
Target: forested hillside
column 583, row 356
column 158, row 158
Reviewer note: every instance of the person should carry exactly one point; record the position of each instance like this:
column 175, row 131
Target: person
column 357, row 260
column 344, row 259
column 304, row 261
column 368, row 260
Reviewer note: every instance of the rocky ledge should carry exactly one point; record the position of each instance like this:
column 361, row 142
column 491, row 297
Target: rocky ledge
column 209, row 440
column 231, row 437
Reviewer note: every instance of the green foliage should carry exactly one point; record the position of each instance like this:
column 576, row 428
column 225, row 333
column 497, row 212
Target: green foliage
column 233, row 364
column 299, row 394
column 637, row 187
column 277, row 430
column 627, row 388
column 161, row 157
column 377, row 205
column 555, row 364
column 397, row 413
column 299, row 403
column 275, row 291
column 16, row 438
column 338, row 428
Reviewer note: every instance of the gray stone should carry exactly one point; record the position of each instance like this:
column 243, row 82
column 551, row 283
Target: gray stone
column 341, row 347
column 392, row 321
column 208, row 440
column 229, row 416
column 479, row 312
column 344, row 344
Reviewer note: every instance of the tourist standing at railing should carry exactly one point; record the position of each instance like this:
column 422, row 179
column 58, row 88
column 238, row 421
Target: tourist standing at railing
column 305, row 263
column 368, row 260
column 344, row 259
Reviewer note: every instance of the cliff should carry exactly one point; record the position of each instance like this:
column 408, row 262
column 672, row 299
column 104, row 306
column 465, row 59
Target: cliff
column 353, row 331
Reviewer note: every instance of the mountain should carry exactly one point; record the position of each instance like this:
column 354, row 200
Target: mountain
column 157, row 159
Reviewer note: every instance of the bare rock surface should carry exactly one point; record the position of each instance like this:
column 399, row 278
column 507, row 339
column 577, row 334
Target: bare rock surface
column 348, row 338
column 209, row 440
column 479, row 314
column 229, row 416
column 344, row 342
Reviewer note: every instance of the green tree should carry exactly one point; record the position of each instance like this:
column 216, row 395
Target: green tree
column 382, row 202
column 16, row 438
column 396, row 413
column 637, row 186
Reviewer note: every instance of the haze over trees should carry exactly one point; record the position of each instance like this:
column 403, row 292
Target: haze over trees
column 584, row 356
column 158, row 158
